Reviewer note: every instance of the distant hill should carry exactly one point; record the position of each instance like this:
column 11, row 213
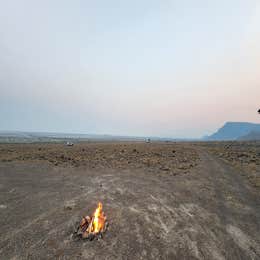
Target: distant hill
column 234, row 131
column 253, row 135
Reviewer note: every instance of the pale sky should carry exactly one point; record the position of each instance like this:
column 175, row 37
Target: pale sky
column 138, row 67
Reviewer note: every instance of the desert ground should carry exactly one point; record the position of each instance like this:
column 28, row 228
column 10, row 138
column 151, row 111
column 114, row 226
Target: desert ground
column 163, row 200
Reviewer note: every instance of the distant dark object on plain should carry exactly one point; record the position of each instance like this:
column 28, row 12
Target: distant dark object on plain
column 69, row 144
column 148, row 140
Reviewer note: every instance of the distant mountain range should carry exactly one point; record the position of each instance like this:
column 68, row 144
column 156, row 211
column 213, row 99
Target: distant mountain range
column 230, row 131
column 45, row 137
column 236, row 131
column 38, row 137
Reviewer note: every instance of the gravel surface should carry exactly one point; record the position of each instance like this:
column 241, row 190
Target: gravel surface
column 162, row 201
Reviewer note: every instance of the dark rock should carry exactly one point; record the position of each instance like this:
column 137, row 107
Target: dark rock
column 164, row 168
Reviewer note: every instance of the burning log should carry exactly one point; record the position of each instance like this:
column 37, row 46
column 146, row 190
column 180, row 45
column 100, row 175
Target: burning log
column 92, row 227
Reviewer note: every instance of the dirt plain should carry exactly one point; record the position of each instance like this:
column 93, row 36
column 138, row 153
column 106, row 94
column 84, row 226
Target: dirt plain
column 162, row 200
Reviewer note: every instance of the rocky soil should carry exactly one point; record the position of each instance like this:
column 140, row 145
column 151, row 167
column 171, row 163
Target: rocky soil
column 243, row 155
column 108, row 155
column 162, row 201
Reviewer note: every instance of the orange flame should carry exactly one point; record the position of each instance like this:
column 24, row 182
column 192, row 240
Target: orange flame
column 98, row 220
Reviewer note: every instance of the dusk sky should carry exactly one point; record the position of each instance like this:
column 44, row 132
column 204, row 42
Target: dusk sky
column 158, row 68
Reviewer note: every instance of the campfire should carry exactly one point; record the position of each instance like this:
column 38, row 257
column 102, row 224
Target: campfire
column 93, row 227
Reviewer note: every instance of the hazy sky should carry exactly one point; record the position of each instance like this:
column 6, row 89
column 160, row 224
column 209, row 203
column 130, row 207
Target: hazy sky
column 137, row 67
